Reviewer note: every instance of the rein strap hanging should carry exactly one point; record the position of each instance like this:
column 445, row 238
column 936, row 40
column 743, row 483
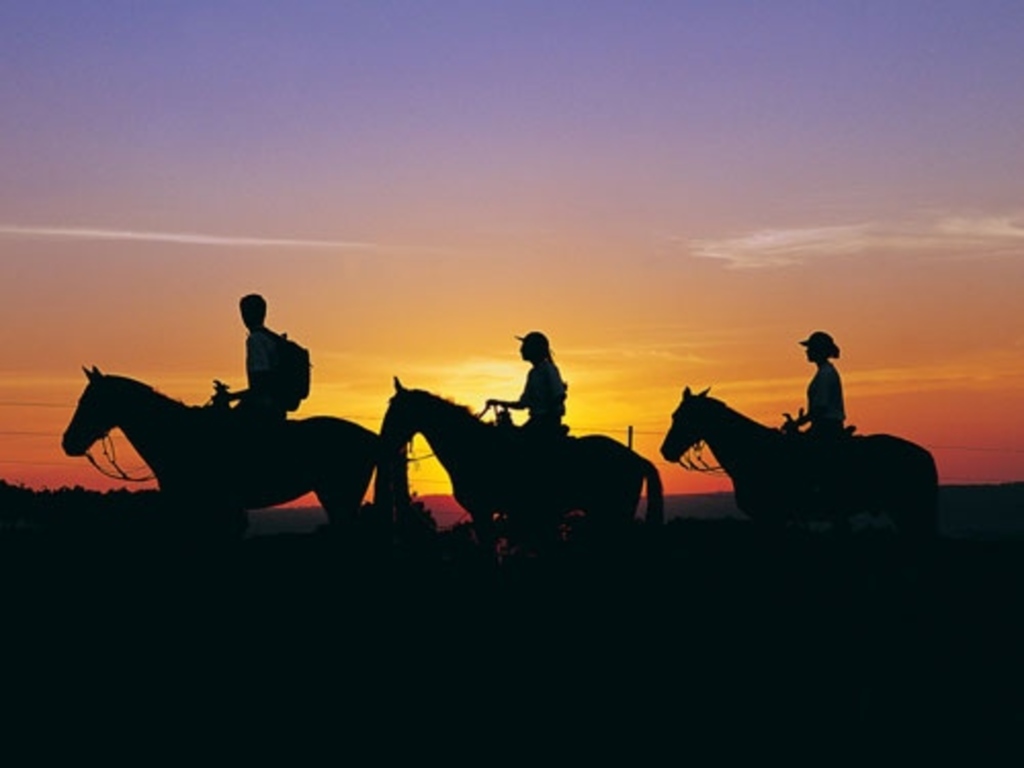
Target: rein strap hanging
column 693, row 460
column 110, row 454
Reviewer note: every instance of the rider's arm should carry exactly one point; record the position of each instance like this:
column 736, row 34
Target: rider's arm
column 260, row 382
column 513, row 404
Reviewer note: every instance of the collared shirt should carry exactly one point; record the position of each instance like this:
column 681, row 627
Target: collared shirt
column 545, row 391
column 825, row 395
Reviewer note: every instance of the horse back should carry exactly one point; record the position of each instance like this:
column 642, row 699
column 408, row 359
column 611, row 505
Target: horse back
column 892, row 447
column 597, row 455
column 332, row 426
column 297, row 440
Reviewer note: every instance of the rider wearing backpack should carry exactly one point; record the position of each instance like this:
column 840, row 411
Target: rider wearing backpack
column 262, row 364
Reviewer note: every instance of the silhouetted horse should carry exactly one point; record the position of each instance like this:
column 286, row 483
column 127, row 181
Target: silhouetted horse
column 495, row 471
column 215, row 464
column 779, row 478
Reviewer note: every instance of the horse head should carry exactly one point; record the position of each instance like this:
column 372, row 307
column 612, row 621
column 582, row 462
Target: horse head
column 398, row 427
column 93, row 416
column 688, row 425
column 412, row 411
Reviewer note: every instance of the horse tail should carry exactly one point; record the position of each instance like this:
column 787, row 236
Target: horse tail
column 926, row 522
column 383, row 500
column 655, row 494
column 908, row 482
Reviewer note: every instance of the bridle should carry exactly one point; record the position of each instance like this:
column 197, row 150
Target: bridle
column 692, row 460
column 110, row 454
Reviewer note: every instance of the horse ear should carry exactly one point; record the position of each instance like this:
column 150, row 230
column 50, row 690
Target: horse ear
column 686, row 393
column 93, row 374
column 398, row 385
column 702, row 394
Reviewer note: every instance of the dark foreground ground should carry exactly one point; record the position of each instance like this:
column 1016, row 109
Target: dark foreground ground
column 422, row 646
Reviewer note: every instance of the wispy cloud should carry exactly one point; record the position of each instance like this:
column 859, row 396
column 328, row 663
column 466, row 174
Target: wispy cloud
column 179, row 238
column 781, row 247
column 962, row 236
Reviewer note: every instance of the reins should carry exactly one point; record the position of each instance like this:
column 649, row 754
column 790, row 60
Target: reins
column 410, row 459
column 110, row 454
column 693, row 460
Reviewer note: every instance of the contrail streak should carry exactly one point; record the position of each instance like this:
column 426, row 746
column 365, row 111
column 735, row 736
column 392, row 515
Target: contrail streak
column 181, row 238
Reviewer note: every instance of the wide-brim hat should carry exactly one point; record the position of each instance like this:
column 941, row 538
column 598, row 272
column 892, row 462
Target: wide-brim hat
column 821, row 341
column 535, row 337
column 535, row 346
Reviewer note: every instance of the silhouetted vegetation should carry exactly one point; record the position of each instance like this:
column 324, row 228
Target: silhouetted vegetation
column 77, row 511
column 698, row 622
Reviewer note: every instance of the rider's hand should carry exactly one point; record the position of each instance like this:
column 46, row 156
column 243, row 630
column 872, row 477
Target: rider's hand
column 791, row 424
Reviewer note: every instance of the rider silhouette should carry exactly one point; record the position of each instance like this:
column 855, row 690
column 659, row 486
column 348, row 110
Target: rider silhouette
column 825, row 411
column 259, row 401
column 545, row 391
column 825, row 416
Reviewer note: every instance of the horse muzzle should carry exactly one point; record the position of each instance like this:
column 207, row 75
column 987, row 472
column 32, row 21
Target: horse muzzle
column 73, row 447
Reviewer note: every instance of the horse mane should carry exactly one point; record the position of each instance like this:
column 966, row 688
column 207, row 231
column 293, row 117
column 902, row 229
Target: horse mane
column 124, row 382
column 732, row 412
column 446, row 401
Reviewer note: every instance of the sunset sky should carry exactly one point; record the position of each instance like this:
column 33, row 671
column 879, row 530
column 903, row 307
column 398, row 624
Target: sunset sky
column 675, row 192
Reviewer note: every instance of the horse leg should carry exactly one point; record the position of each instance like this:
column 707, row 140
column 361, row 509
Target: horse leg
column 192, row 521
column 915, row 516
column 342, row 509
column 223, row 520
column 341, row 489
column 612, row 510
column 485, row 531
column 236, row 523
column 341, row 505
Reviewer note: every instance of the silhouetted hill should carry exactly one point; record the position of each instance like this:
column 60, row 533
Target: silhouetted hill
column 982, row 511
column 965, row 511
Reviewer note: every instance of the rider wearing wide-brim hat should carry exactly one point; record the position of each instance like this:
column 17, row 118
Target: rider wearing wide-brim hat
column 826, row 413
column 822, row 343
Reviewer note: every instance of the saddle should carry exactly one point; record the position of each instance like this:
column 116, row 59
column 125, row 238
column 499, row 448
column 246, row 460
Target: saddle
column 532, row 436
column 537, row 452
column 241, row 431
column 822, row 475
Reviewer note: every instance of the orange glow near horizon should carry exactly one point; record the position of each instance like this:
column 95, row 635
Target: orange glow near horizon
column 611, row 390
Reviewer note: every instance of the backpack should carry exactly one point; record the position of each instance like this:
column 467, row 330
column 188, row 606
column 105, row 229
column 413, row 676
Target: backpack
column 293, row 371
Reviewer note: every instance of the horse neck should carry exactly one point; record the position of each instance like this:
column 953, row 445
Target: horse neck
column 737, row 440
column 452, row 432
column 151, row 422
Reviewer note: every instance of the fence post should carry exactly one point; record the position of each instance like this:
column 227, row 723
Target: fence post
column 629, row 436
